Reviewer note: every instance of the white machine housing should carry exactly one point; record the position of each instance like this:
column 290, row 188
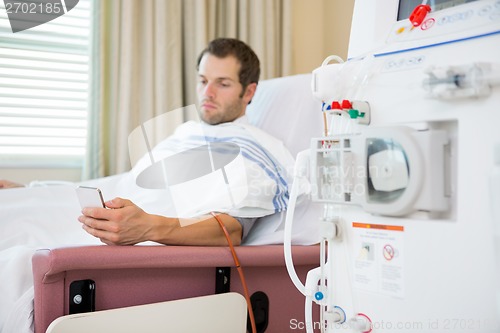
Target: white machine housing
column 391, row 171
column 392, row 268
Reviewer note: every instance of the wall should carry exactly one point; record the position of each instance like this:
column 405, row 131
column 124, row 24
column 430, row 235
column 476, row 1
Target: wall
column 320, row 28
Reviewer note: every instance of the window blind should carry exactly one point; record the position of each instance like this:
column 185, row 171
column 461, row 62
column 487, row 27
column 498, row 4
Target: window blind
column 44, row 86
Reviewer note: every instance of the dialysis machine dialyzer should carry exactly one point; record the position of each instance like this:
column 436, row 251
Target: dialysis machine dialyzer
column 408, row 172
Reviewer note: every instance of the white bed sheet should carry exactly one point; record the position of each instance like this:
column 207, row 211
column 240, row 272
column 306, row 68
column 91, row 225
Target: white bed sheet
column 50, row 221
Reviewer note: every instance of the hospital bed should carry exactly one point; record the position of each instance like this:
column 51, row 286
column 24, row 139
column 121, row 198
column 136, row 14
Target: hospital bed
column 117, row 277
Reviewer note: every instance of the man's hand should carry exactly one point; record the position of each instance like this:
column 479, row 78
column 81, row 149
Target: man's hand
column 123, row 224
column 4, row 184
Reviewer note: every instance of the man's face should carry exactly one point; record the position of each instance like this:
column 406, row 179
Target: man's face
column 219, row 90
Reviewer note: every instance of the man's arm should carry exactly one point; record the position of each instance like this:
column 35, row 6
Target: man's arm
column 4, row 184
column 127, row 224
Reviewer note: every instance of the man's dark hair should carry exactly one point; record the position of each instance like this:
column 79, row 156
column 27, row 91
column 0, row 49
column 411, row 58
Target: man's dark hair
column 250, row 65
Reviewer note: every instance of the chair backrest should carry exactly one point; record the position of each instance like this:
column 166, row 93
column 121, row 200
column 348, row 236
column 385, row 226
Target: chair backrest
column 221, row 313
column 285, row 107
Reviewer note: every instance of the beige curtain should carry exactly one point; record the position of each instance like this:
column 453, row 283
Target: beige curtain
column 145, row 62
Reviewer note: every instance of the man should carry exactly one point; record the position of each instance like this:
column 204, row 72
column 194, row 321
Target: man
column 228, row 72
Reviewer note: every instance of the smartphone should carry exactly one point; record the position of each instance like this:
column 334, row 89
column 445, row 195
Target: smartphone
column 90, row 197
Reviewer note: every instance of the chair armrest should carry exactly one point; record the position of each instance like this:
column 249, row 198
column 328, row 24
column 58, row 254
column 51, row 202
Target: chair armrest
column 50, row 263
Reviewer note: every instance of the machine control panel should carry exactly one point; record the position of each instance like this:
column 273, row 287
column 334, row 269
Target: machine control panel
column 476, row 17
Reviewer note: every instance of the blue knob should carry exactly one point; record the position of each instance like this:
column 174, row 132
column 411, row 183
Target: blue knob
column 319, row 296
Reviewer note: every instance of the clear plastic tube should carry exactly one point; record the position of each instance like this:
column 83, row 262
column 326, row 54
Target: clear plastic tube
column 302, row 157
column 308, row 315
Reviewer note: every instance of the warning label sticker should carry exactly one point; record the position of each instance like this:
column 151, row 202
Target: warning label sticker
column 378, row 258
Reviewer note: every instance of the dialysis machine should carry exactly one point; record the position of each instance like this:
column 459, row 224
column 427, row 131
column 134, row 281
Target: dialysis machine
column 408, row 172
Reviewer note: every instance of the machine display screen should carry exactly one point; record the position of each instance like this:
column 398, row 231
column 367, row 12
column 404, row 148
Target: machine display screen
column 406, row 6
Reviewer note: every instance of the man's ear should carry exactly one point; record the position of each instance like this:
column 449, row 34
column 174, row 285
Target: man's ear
column 250, row 92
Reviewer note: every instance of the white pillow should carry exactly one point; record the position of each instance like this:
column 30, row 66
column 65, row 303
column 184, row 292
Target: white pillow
column 286, row 108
